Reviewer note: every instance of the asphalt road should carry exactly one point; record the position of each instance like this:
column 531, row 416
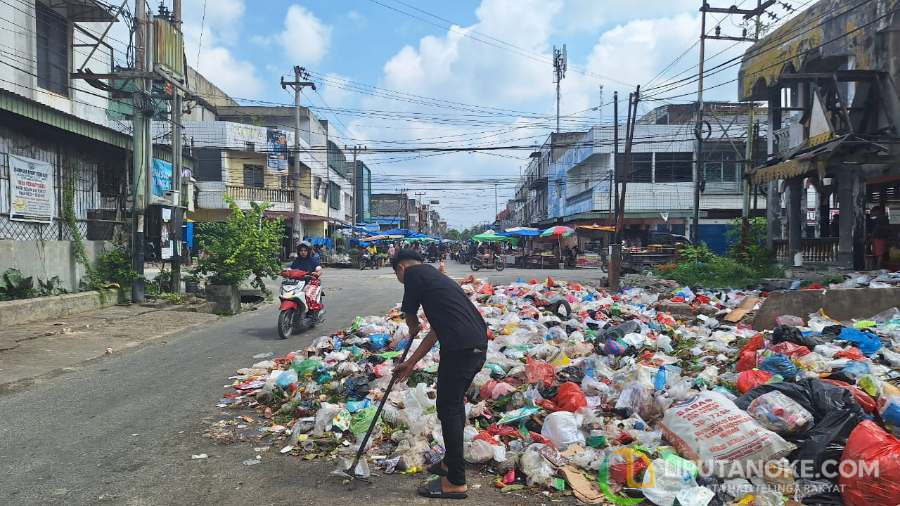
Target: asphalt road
column 122, row 430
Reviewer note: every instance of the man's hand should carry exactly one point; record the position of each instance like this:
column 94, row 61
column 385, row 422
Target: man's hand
column 403, row 370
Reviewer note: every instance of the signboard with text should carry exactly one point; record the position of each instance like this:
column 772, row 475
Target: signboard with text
column 31, row 195
column 161, row 182
column 277, row 153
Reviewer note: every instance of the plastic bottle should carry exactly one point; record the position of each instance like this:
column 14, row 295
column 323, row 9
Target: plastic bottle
column 659, row 383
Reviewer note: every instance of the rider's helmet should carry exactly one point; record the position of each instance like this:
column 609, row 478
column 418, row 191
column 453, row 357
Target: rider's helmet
column 304, row 244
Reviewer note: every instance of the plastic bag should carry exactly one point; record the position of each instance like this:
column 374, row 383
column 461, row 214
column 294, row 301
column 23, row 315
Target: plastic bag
column 324, row 416
column 634, row 398
column 286, row 379
column 789, row 349
column 781, row 365
column 379, row 341
column 478, row 451
column 865, row 402
column 747, row 359
column 890, row 411
column 698, row 436
column 306, row 367
column 535, row 466
column 361, row 421
column 539, row 371
column 666, row 480
column 562, row 429
column 790, row 320
column 866, row 342
column 835, row 411
column 855, row 370
column 748, row 380
column 870, row 445
column 569, row 397
column 778, row 412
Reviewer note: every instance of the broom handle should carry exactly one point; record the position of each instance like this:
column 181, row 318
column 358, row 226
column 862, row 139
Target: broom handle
column 362, row 446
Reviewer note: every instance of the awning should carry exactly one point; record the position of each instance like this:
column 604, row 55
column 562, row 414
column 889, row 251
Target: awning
column 814, row 160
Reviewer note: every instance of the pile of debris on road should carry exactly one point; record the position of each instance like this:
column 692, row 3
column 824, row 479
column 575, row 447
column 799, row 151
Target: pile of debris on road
column 580, row 384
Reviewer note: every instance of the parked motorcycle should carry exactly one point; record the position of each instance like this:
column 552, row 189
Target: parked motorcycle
column 487, row 261
column 302, row 302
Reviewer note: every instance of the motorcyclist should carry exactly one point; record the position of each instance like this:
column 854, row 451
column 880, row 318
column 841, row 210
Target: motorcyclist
column 305, row 260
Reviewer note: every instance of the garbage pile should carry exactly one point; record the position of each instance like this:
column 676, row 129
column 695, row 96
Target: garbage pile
column 609, row 397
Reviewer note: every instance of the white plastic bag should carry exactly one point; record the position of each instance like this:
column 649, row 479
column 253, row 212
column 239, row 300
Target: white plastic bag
column 324, row 416
column 478, row 451
column 562, row 428
column 535, row 466
column 664, row 482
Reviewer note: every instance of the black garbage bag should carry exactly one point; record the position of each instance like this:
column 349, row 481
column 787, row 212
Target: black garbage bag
column 835, row 413
column 783, row 333
column 818, row 493
column 356, row 387
column 571, row 373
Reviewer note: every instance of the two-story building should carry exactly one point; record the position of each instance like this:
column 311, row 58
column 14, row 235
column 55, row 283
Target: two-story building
column 65, row 147
column 829, row 76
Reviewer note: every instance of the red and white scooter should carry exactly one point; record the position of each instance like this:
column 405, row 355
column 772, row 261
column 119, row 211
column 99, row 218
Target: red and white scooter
column 302, row 302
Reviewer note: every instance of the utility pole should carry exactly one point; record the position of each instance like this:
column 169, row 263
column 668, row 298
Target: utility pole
column 615, row 264
column 699, row 182
column 141, row 149
column 559, row 73
column 353, row 180
column 300, row 81
column 615, row 249
column 419, row 206
column 177, row 208
column 496, row 208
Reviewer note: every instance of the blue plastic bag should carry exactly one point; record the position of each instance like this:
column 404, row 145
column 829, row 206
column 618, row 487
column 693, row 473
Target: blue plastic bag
column 781, row 365
column 855, row 369
column 379, row 341
column 659, row 383
column 354, row 406
column 867, row 343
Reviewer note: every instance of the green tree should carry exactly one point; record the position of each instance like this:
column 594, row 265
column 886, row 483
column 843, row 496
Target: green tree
column 246, row 245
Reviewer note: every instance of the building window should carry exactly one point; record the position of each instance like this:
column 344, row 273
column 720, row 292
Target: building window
column 641, row 167
column 253, row 176
column 720, row 167
column 52, row 32
column 674, row 167
column 317, row 186
column 250, row 146
column 285, row 182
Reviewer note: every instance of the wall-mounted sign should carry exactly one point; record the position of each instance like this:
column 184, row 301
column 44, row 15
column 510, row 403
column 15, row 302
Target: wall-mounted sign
column 31, row 196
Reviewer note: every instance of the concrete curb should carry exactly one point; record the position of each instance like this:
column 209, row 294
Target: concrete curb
column 14, row 312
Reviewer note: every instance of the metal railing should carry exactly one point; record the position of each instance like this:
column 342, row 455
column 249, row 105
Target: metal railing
column 822, row 250
column 273, row 195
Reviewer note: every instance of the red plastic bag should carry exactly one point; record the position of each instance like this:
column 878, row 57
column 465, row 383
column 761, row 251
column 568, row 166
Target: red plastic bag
column 550, row 282
column 569, row 397
column 864, row 400
column 851, row 353
column 487, row 437
column 619, row 473
column 757, row 343
column 748, row 380
column 747, row 361
column 537, row 370
column 486, row 289
column 870, row 445
column 790, row 349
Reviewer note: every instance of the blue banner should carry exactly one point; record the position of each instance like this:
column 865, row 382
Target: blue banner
column 161, row 178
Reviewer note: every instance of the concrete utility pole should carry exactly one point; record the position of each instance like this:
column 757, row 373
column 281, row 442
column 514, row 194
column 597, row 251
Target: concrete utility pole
column 300, row 81
column 353, row 179
column 419, row 206
column 177, row 208
column 141, row 149
column 615, row 264
column 615, row 250
column 699, row 182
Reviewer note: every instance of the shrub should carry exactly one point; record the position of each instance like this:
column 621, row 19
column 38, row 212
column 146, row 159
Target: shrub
column 113, row 266
column 719, row 272
column 245, row 245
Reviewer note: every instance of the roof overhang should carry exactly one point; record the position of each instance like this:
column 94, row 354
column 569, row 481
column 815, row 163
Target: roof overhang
column 83, row 10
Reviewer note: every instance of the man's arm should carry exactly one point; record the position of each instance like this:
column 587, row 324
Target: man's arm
column 402, row 371
column 412, row 321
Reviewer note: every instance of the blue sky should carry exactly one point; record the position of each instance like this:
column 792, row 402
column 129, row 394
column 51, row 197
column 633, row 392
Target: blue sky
column 497, row 55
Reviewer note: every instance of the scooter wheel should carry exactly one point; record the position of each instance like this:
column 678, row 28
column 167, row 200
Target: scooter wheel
column 285, row 323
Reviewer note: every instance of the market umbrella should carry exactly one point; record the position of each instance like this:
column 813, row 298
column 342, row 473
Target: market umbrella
column 597, row 228
column 490, row 237
column 557, row 231
column 522, row 232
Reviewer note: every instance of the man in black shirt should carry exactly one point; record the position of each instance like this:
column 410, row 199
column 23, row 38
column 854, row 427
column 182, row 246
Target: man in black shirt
column 462, row 333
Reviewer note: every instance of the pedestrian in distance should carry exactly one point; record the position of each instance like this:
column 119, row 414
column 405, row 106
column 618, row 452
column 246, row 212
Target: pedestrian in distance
column 461, row 333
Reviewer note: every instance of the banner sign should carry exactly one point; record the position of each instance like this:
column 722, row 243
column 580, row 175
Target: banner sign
column 161, row 181
column 31, row 196
column 277, row 157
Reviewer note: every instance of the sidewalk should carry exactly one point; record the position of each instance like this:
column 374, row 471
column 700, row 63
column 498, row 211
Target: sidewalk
column 44, row 349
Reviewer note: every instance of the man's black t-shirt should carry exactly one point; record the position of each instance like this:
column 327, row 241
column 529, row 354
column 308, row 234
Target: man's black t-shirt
column 452, row 315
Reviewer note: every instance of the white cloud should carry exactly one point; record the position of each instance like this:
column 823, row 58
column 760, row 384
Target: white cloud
column 207, row 46
column 333, row 89
column 305, row 38
column 357, row 18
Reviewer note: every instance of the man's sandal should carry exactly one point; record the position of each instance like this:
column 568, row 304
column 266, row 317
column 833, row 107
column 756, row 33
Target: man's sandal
column 433, row 490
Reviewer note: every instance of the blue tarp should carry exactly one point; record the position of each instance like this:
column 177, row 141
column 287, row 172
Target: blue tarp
column 521, row 233
column 316, row 241
column 396, row 231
